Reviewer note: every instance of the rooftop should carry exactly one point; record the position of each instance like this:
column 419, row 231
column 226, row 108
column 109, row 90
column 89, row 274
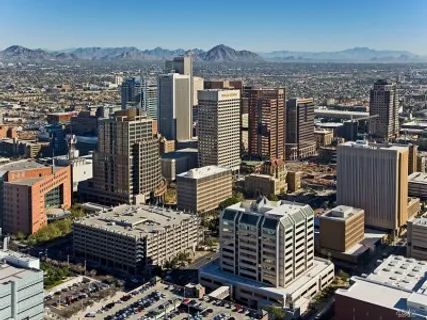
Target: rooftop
column 364, row 144
column 135, row 221
column 418, row 177
column 398, row 283
column 21, row 165
column 422, row 221
column 341, row 212
column 11, row 273
column 203, row 172
column 404, row 273
column 289, row 213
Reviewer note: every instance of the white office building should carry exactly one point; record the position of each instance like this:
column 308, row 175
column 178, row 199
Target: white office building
column 21, row 286
column 267, row 255
column 219, row 128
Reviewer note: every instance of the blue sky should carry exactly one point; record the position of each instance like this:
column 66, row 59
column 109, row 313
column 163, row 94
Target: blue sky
column 306, row 25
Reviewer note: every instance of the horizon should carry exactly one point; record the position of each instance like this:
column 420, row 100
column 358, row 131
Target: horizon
column 189, row 49
column 304, row 26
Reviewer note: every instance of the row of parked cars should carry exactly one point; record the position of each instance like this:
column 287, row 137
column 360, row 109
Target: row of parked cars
column 138, row 306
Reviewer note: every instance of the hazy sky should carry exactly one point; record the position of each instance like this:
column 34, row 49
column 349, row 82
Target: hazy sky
column 306, row 25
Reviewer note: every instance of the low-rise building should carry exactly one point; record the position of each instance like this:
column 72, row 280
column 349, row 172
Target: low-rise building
column 323, row 137
column 396, row 289
column 341, row 228
column 261, row 185
column 417, row 238
column 276, row 168
column 28, row 191
column 203, row 189
column 293, row 180
column 135, row 238
column 417, row 185
column 21, row 286
column 177, row 162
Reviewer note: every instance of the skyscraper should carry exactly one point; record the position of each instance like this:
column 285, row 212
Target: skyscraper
column 300, row 140
column 266, row 123
column 126, row 165
column 384, row 103
column 149, row 100
column 374, row 178
column 219, row 128
column 131, row 92
column 174, row 115
column 182, row 65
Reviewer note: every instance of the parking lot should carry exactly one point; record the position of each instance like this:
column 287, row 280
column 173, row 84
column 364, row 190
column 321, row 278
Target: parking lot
column 69, row 300
column 152, row 301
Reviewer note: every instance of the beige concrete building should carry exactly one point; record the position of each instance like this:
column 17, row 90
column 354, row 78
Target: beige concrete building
column 261, row 185
column 198, row 84
column 375, row 179
column 126, row 165
column 323, row 138
column 417, row 185
column 203, row 189
column 267, row 255
column 417, row 238
column 421, row 162
column 135, row 238
column 175, row 111
column 341, row 228
column 413, row 158
column 219, row 128
column 276, row 168
column 293, row 180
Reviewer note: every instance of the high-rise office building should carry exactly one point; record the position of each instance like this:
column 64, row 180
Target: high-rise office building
column 175, row 111
column 375, row 179
column 266, row 123
column 384, row 103
column 126, row 165
column 219, row 128
column 300, row 139
column 198, row 84
column 131, row 92
column 267, row 254
column 149, row 100
column 182, row 65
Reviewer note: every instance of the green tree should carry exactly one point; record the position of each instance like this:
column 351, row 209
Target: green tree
column 344, row 276
column 275, row 313
column 228, row 202
column 273, row 197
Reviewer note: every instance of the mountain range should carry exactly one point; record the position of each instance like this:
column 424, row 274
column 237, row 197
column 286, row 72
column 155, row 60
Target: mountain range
column 219, row 53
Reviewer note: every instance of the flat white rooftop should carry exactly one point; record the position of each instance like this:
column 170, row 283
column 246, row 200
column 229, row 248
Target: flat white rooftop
column 401, row 272
column 203, row 172
column 341, row 212
column 398, row 283
column 135, row 221
column 418, row 177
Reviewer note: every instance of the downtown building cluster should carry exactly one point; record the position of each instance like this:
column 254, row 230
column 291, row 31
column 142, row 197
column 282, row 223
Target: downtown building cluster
column 193, row 133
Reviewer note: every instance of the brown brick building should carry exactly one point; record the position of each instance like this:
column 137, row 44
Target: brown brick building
column 28, row 190
column 266, row 123
column 341, row 228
